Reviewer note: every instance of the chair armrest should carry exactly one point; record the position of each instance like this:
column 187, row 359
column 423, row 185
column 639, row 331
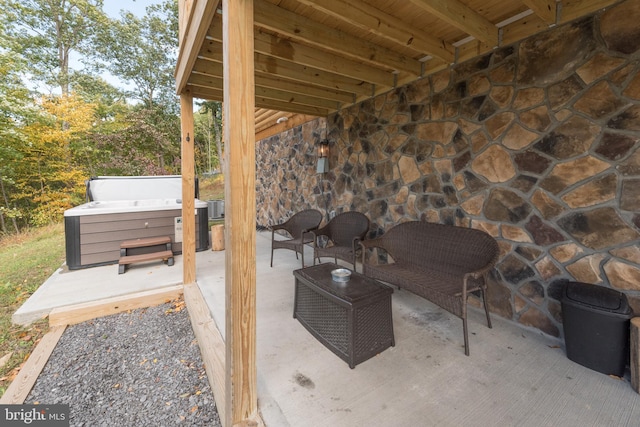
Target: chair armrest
column 322, row 231
column 355, row 244
column 378, row 242
column 308, row 231
column 278, row 227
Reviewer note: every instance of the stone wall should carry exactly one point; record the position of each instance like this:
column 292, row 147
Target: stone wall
column 537, row 143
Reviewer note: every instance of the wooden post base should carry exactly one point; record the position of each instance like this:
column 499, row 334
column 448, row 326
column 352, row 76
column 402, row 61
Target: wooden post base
column 217, row 237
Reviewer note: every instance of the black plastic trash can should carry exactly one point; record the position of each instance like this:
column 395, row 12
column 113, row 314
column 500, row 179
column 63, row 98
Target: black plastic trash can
column 596, row 322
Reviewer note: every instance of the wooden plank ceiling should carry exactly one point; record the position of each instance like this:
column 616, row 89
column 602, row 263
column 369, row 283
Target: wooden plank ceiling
column 315, row 57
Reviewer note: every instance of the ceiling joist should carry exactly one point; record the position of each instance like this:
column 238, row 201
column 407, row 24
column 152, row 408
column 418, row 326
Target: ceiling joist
column 314, row 57
column 462, row 17
column 288, row 24
column 369, row 18
column 545, row 9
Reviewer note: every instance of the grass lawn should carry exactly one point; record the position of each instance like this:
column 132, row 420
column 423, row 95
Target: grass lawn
column 211, row 188
column 26, row 261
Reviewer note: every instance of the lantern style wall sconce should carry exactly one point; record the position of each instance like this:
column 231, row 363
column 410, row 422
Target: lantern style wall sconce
column 323, row 156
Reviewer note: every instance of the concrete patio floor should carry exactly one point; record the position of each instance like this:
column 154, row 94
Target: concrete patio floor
column 513, row 377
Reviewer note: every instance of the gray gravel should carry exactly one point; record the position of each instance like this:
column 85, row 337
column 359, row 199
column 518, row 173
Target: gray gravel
column 141, row 368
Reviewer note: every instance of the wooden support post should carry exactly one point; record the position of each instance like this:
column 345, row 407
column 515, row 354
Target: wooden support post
column 188, row 191
column 240, row 212
column 635, row 354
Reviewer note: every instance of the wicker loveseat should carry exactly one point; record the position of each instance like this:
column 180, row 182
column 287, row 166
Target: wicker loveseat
column 441, row 263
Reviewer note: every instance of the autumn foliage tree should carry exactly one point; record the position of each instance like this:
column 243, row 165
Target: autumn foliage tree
column 61, row 125
column 51, row 175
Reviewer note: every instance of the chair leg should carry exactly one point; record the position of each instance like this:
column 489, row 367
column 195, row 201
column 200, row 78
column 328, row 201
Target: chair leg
column 486, row 307
column 466, row 336
column 271, row 255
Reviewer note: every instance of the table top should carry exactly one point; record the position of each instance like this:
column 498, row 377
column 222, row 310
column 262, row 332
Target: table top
column 357, row 288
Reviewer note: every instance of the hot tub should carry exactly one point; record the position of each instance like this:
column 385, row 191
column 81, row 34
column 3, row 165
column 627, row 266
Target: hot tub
column 94, row 230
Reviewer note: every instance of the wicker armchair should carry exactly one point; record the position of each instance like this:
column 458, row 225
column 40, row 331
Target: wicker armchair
column 344, row 233
column 298, row 227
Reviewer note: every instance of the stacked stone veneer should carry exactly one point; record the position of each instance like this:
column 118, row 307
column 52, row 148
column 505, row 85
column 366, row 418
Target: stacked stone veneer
column 537, row 143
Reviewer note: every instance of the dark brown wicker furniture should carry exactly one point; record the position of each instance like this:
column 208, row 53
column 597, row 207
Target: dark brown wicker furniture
column 351, row 319
column 441, row 263
column 343, row 232
column 298, row 227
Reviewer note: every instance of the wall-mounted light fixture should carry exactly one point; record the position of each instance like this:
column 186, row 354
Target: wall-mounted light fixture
column 323, row 156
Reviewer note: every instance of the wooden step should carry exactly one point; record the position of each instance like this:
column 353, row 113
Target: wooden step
column 142, row 243
column 130, row 259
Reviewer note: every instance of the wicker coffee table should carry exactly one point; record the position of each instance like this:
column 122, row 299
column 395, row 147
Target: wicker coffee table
column 352, row 319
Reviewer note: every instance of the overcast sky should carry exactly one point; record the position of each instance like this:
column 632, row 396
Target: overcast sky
column 137, row 7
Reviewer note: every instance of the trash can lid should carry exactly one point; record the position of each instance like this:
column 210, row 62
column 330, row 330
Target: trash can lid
column 597, row 296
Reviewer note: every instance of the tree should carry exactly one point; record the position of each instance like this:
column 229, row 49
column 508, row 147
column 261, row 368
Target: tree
column 146, row 144
column 45, row 32
column 208, row 123
column 15, row 110
column 142, row 51
column 84, row 126
column 50, row 177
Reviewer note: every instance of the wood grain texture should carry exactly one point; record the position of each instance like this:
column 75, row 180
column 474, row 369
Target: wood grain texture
column 20, row 387
column 78, row 313
column 240, row 209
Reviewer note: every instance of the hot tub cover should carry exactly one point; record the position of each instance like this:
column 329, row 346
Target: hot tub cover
column 110, row 188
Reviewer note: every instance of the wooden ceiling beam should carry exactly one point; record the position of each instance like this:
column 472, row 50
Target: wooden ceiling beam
column 295, row 98
column 332, row 82
column 289, row 24
column 306, row 56
column 214, row 94
column 216, row 82
column 544, row 9
column 302, row 54
column 273, row 82
column 375, row 21
column 573, row 9
column 272, row 87
column 293, row 108
column 207, row 80
column 309, row 75
column 212, row 68
column 199, row 21
column 202, row 92
column 462, row 17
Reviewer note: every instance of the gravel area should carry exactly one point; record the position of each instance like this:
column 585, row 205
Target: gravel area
column 141, row 368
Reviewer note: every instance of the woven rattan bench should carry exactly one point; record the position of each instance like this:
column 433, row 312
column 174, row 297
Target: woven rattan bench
column 164, row 253
column 441, row 263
